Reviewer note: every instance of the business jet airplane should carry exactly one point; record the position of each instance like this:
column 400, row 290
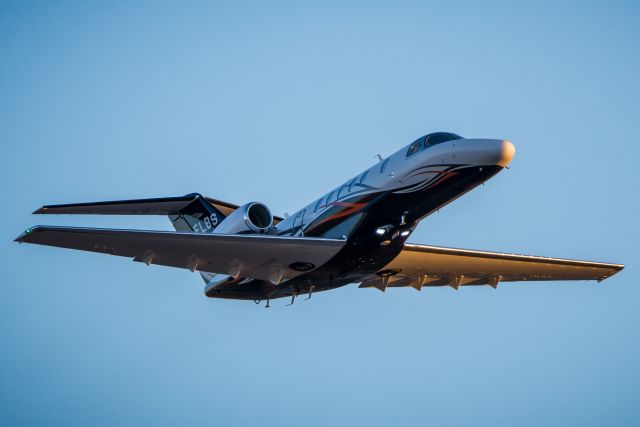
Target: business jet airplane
column 354, row 234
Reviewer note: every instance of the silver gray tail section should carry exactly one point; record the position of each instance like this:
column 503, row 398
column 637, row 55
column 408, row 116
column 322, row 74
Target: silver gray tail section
column 199, row 216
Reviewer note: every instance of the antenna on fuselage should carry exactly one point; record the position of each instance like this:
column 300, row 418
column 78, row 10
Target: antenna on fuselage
column 378, row 156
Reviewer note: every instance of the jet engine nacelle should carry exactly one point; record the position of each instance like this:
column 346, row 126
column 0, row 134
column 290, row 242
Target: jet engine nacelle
column 253, row 217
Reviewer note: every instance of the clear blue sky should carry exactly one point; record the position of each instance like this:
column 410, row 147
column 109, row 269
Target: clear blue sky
column 280, row 103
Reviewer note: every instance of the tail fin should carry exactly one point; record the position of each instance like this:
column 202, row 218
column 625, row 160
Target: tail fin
column 199, row 216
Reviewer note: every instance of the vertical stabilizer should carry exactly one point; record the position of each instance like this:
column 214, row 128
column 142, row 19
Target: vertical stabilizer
column 199, row 216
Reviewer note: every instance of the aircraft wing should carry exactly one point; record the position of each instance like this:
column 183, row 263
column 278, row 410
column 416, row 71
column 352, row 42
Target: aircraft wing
column 255, row 256
column 421, row 265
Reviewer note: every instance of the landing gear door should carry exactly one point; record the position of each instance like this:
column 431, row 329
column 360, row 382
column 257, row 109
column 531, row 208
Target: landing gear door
column 298, row 223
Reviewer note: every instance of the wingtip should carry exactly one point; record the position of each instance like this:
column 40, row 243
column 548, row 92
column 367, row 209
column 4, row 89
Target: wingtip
column 617, row 268
column 27, row 232
column 42, row 210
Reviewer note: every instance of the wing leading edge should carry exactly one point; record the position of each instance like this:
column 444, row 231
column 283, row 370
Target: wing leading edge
column 255, row 256
column 422, row 265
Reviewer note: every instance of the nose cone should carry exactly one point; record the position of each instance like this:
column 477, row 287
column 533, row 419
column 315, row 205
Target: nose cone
column 504, row 153
column 482, row 152
column 493, row 152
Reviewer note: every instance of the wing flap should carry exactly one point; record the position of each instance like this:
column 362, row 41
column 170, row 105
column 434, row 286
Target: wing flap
column 255, row 256
column 439, row 266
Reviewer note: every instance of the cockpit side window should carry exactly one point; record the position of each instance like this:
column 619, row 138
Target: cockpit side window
column 439, row 138
column 415, row 147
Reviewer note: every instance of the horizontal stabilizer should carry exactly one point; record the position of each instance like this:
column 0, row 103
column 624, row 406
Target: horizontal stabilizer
column 157, row 206
column 254, row 256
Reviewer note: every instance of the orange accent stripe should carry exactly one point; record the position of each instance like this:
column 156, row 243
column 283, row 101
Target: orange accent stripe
column 447, row 173
column 438, row 181
column 353, row 207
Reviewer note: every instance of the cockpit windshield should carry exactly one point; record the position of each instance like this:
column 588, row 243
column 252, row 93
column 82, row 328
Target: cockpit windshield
column 431, row 140
column 415, row 146
column 439, row 137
